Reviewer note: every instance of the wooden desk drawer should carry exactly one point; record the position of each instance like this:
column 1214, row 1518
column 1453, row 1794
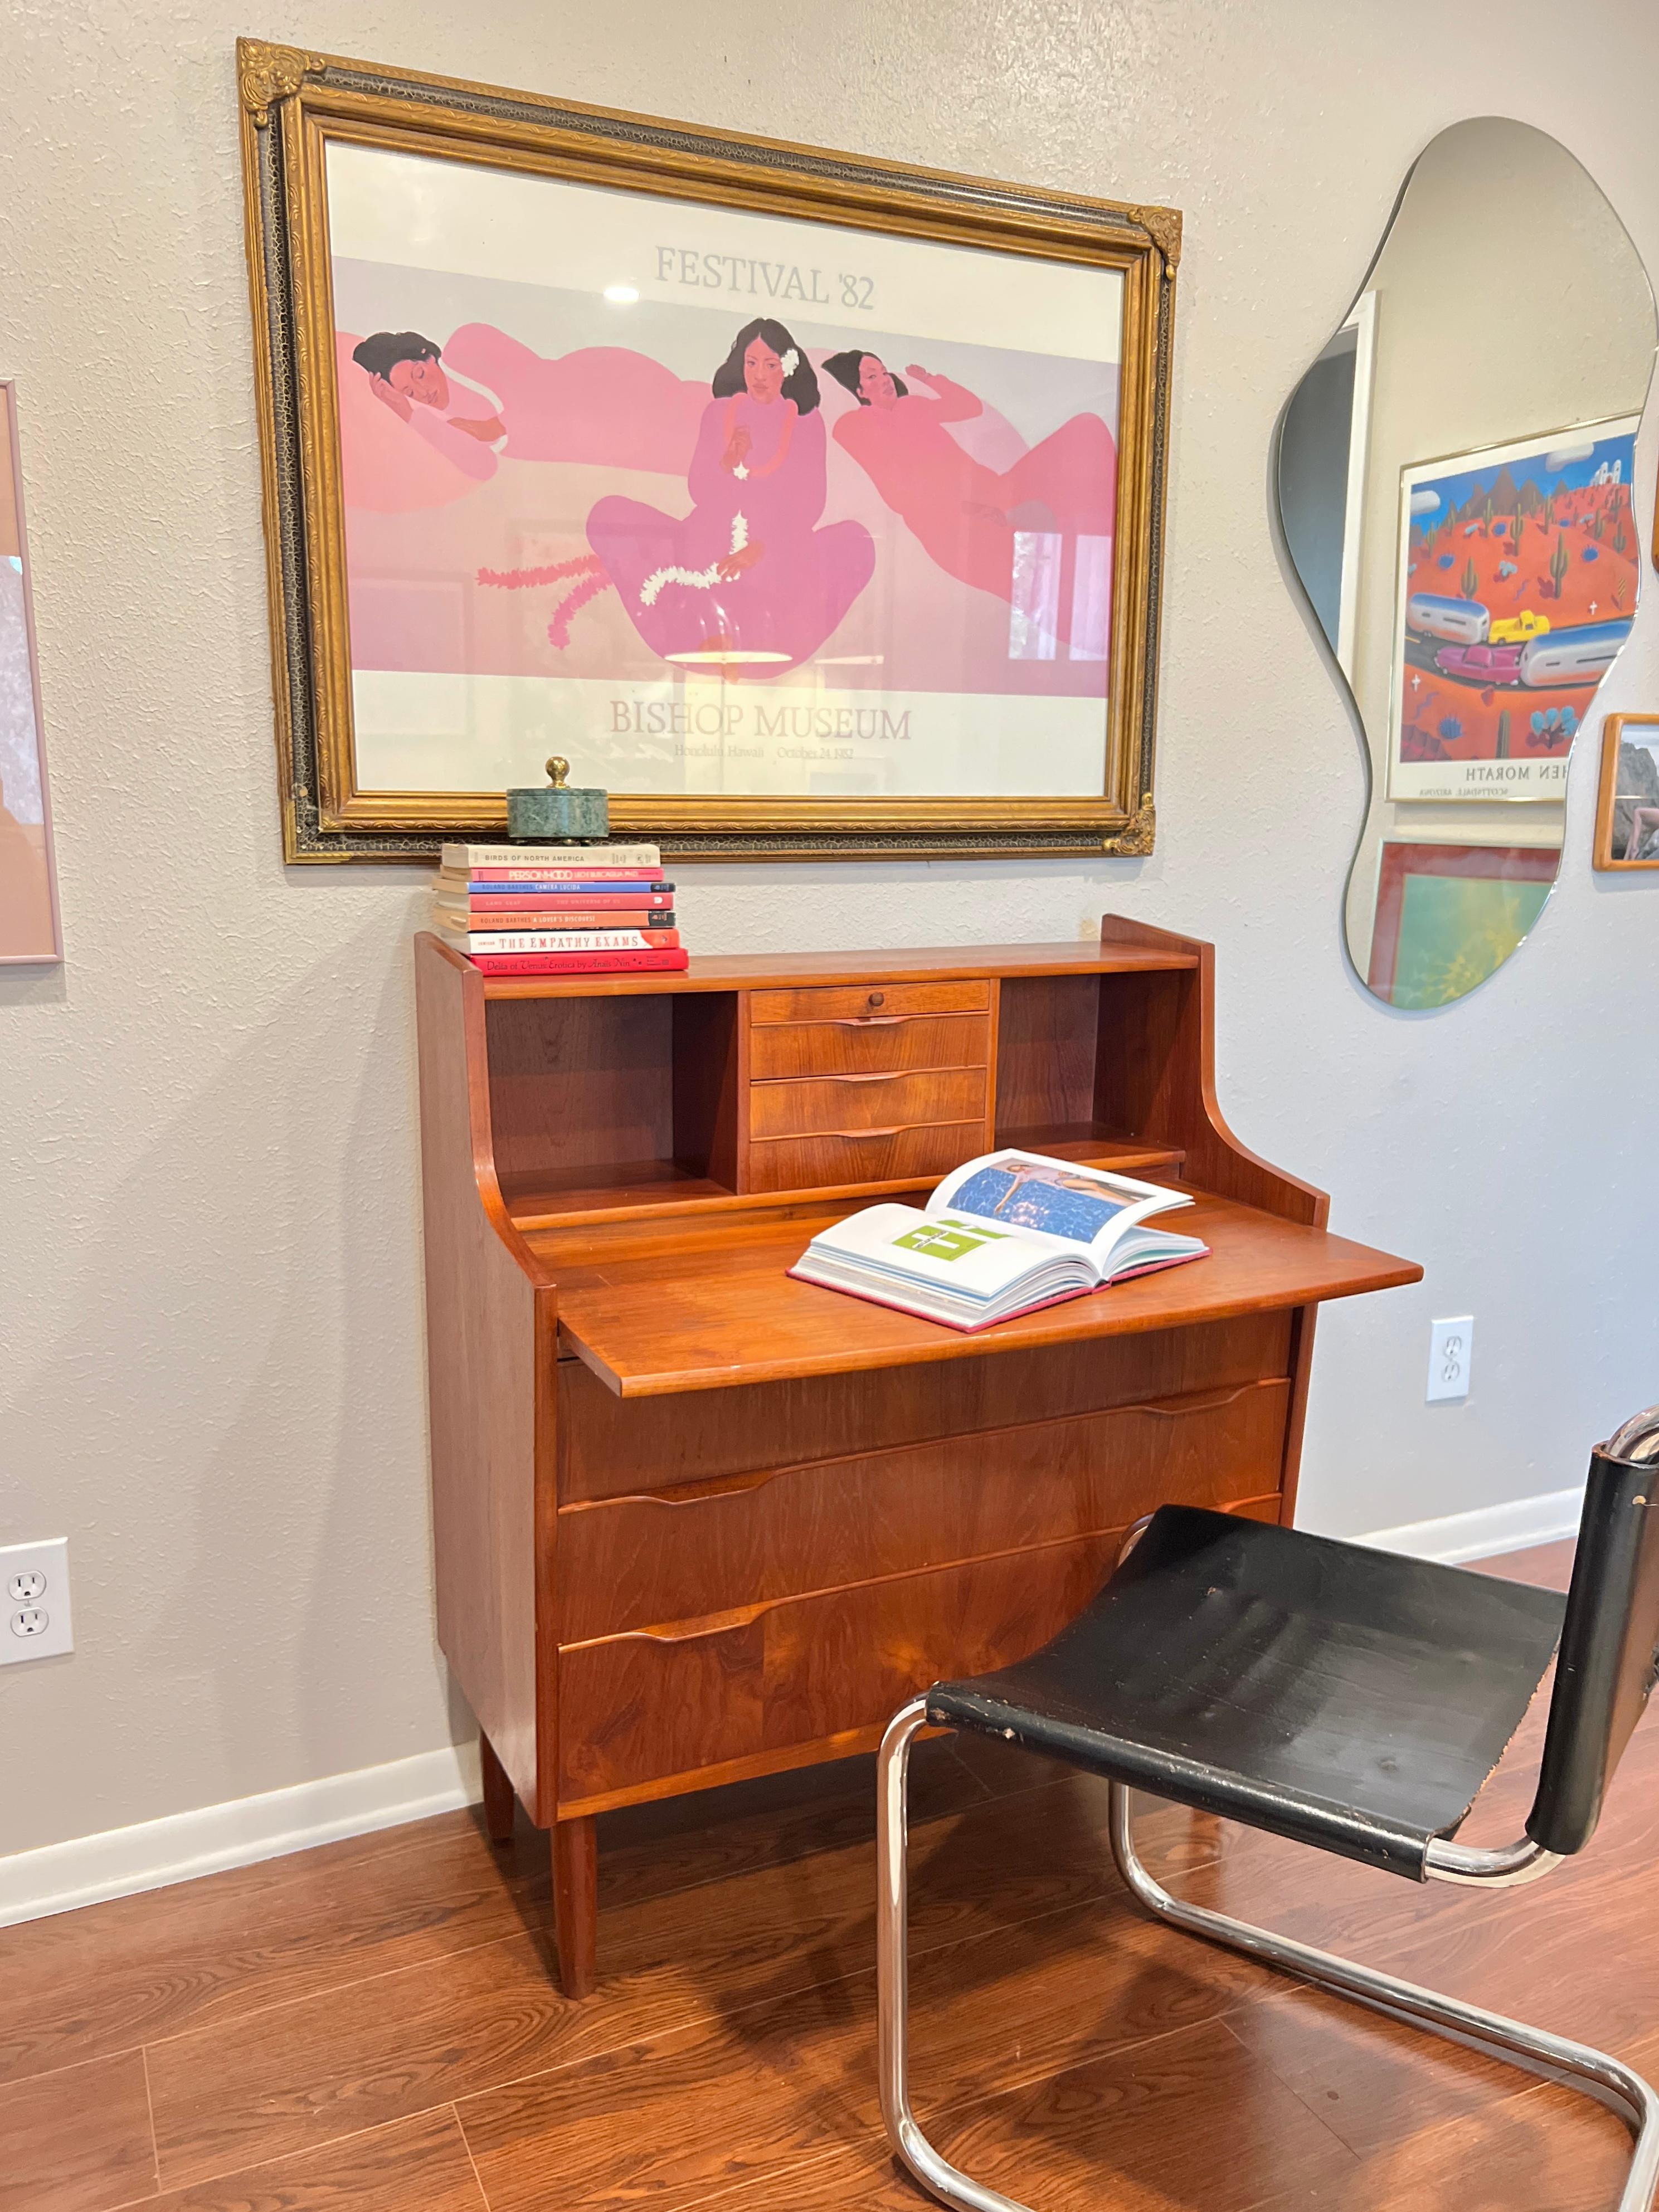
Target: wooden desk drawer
column 878, row 1155
column 837, row 1002
column 663, row 1557
column 636, row 1710
column 871, row 1044
column 832, row 1105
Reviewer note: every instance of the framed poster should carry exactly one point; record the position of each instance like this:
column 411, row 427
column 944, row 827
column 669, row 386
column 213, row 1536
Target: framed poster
column 29, row 930
column 1627, row 800
column 1448, row 915
column 810, row 504
column 1517, row 578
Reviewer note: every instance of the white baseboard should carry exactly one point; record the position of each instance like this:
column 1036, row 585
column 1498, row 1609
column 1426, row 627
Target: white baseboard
column 123, row 1862
column 150, row 1856
column 1485, row 1533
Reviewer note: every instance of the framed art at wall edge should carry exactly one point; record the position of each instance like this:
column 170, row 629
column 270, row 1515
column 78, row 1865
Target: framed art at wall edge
column 29, row 930
column 810, row 504
column 1627, row 798
column 1517, row 580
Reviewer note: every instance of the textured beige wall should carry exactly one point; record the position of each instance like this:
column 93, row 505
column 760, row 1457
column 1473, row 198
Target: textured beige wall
column 210, row 1349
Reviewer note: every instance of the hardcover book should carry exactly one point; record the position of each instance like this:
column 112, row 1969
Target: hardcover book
column 563, row 940
column 455, row 917
column 576, row 964
column 517, row 856
column 556, row 877
column 1004, row 1234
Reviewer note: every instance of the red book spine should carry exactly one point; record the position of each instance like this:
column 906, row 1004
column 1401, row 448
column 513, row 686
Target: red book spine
column 575, row 963
column 525, row 917
column 576, row 902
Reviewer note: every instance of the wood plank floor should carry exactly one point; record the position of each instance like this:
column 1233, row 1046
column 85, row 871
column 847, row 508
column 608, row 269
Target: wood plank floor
column 374, row 2027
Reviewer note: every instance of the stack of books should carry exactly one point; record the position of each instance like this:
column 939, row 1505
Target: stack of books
column 558, row 909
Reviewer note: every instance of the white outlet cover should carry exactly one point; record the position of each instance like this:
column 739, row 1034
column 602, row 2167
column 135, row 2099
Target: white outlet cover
column 1451, row 1348
column 34, row 1601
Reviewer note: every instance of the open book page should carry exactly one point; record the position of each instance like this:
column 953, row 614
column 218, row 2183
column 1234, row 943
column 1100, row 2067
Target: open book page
column 1054, row 1201
column 968, row 1258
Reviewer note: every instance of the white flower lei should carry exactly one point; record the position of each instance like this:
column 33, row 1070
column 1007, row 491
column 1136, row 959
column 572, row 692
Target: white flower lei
column 695, row 579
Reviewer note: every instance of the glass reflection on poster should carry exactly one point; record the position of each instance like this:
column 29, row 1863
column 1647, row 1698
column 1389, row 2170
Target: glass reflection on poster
column 28, row 897
column 725, row 502
column 1519, row 568
column 1448, row 915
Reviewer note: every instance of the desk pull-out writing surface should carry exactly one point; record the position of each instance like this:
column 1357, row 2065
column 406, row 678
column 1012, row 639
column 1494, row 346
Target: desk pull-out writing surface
column 697, row 1521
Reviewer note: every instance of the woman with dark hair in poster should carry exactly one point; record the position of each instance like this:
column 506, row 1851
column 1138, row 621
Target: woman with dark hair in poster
column 746, row 577
column 406, row 375
column 966, row 515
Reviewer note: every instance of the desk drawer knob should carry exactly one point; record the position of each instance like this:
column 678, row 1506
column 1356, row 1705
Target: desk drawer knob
column 877, row 998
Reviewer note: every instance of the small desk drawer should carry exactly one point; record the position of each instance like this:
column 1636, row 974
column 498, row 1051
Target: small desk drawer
column 654, row 1560
column 879, row 1155
column 868, row 1045
column 832, row 1105
column 840, row 1002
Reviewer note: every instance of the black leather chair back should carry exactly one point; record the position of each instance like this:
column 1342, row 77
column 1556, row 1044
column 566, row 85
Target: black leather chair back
column 1609, row 1652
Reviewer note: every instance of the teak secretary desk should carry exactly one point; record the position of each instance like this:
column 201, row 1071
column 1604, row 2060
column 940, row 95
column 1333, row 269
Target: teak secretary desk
column 695, row 1521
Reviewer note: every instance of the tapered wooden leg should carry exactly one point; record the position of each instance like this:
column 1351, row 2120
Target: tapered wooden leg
column 575, row 1902
column 497, row 1793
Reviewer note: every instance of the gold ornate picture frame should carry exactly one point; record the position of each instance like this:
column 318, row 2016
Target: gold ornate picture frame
column 590, row 432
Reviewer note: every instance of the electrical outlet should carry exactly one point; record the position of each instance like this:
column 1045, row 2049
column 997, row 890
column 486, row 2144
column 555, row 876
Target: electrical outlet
column 34, row 1617
column 1451, row 1343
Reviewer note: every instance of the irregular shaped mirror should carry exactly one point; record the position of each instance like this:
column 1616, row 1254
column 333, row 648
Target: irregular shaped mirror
column 1454, row 478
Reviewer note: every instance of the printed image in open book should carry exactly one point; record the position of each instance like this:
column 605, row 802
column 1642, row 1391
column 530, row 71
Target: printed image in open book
column 1044, row 1195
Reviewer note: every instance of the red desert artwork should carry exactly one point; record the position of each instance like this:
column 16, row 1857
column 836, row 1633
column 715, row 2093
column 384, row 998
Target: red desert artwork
column 1518, row 582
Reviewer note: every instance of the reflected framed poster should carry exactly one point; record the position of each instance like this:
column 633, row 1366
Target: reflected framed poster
column 809, row 504
column 1518, row 574
column 29, row 932
column 1448, row 916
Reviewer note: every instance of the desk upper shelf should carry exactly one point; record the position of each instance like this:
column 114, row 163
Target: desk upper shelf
column 744, row 971
column 645, row 1155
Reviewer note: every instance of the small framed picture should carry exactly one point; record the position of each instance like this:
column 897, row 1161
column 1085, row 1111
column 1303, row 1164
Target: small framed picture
column 29, row 932
column 1517, row 577
column 1627, row 804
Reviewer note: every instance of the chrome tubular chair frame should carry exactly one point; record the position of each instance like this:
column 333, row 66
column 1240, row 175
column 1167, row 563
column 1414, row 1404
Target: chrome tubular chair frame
column 1594, row 2073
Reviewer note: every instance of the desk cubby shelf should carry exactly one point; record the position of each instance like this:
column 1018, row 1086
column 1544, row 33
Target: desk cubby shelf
column 695, row 1520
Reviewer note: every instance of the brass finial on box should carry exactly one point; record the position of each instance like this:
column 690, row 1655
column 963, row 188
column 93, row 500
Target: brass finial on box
column 557, row 810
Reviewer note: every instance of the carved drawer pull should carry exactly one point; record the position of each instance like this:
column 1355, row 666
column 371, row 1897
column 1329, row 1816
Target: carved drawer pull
column 872, row 1021
column 858, row 1136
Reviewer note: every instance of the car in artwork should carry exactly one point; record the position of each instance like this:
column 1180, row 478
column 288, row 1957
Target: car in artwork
column 1515, row 630
column 1480, row 664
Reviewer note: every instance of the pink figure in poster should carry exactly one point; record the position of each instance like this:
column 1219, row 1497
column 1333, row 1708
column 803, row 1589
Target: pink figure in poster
column 746, row 577
column 406, row 377
column 420, row 425
column 964, row 515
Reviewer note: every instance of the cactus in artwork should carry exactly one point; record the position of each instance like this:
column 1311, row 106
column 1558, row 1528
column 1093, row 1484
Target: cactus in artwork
column 1504, row 734
column 1471, row 580
column 1559, row 561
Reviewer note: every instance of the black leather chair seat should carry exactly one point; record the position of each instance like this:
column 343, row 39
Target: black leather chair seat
column 1348, row 1697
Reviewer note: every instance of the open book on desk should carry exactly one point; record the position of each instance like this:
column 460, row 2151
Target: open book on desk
column 1004, row 1234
